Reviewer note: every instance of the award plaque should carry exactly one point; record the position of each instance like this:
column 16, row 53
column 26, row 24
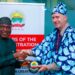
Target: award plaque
column 31, row 68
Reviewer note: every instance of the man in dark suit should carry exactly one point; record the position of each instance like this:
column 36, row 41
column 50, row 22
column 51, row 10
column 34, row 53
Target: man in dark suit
column 8, row 54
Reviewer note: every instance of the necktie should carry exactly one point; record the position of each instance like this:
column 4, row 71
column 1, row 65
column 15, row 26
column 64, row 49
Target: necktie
column 57, row 44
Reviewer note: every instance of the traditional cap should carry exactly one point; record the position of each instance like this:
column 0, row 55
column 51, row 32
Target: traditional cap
column 60, row 8
column 5, row 20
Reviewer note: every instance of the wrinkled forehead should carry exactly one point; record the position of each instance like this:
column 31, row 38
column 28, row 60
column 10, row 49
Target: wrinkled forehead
column 57, row 14
column 5, row 25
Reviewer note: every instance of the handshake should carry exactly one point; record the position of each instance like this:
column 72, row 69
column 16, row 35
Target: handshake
column 21, row 55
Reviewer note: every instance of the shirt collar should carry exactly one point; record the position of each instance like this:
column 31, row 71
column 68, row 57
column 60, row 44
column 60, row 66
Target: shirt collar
column 63, row 30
